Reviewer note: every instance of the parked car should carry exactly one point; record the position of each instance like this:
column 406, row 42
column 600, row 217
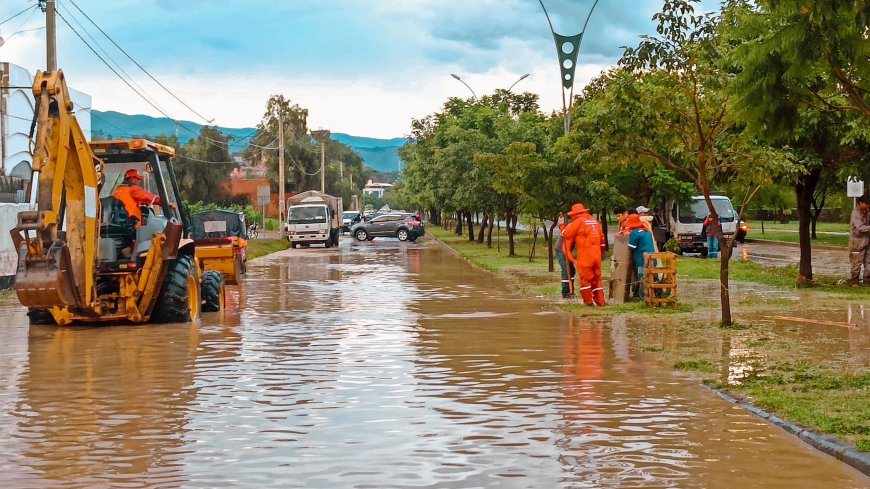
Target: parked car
column 405, row 227
column 348, row 219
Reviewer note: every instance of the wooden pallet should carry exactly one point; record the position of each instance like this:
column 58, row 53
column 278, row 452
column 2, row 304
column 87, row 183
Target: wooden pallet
column 660, row 279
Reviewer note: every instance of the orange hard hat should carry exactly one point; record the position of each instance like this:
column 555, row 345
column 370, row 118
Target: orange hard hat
column 577, row 209
column 633, row 221
column 133, row 173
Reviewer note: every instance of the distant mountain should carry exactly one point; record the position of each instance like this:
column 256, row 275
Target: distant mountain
column 379, row 154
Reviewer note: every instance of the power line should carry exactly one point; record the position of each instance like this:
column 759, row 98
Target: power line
column 158, row 109
column 32, row 7
column 109, row 56
column 208, row 121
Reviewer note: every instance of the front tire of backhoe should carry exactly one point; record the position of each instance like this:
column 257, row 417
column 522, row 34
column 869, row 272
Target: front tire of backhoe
column 40, row 317
column 174, row 303
column 212, row 290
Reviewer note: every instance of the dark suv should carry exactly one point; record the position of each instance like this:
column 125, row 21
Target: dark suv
column 405, row 227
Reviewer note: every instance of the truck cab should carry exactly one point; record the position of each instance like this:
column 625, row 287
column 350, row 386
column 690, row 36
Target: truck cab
column 313, row 218
column 685, row 223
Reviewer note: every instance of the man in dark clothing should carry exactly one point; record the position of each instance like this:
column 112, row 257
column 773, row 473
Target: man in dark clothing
column 859, row 241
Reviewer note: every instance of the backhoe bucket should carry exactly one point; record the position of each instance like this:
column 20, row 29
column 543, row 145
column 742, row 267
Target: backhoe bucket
column 45, row 281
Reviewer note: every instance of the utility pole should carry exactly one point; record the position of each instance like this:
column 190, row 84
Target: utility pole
column 323, row 166
column 50, row 36
column 281, row 202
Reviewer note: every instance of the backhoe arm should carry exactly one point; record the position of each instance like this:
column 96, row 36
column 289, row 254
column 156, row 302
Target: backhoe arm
column 57, row 268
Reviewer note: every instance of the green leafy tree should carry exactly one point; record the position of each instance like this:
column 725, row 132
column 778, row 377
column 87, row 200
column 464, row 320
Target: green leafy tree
column 798, row 85
column 670, row 107
column 203, row 166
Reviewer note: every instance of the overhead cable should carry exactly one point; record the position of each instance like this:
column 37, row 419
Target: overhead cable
column 182, row 102
column 32, row 7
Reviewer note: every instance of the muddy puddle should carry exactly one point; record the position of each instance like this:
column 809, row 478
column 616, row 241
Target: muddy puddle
column 377, row 365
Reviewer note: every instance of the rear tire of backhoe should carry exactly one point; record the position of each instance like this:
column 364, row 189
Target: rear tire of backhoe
column 40, row 317
column 212, row 290
column 175, row 304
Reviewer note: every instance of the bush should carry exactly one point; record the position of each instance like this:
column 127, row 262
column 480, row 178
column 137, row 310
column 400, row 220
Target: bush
column 672, row 245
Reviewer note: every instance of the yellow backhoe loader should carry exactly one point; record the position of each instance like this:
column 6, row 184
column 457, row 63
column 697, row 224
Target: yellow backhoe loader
column 81, row 259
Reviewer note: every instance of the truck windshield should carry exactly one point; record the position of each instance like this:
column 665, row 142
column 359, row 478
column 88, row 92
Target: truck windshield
column 698, row 211
column 306, row 215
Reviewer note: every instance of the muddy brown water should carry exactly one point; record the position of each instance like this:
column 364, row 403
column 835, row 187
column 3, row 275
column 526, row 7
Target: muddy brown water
column 378, row 365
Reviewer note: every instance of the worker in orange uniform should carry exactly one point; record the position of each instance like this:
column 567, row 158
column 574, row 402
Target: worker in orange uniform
column 132, row 195
column 585, row 235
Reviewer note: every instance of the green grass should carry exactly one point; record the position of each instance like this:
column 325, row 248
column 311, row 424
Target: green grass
column 823, row 239
column 787, row 232
column 826, row 401
column 694, row 366
column 262, row 247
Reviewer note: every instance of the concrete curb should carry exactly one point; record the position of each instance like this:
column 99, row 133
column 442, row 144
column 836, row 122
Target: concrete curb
column 831, row 445
column 797, row 245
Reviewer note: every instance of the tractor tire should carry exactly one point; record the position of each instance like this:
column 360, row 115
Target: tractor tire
column 175, row 303
column 212, row 290
column 40, row 317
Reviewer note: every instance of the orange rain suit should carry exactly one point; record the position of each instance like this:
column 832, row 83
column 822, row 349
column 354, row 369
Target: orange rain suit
column 133, row 195
column 585, row 234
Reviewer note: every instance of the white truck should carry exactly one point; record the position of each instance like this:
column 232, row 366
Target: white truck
column 313, row 218
column 685, row 222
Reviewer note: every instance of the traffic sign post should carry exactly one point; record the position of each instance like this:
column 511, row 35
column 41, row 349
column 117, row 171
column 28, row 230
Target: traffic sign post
column 264, row 195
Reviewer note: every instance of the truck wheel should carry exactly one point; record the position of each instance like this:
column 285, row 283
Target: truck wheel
column 212, row 290
column 178, row 301
column 361, row 235
column 40, row 317
column 402, row 234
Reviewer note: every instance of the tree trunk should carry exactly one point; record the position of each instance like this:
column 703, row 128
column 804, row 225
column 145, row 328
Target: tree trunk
column 602, row 218
column 482, row 229
column 470, row 218
column 724, row 291
column 534, row 243
column 511, row 230
column 804, row 189
column 458, row 230
column 550, row 250
column 492, row 218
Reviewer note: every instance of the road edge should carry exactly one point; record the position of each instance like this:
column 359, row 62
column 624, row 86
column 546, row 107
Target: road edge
column 790, row 244
column 839, row 449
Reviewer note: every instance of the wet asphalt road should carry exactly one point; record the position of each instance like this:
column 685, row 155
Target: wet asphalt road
column 374, row 365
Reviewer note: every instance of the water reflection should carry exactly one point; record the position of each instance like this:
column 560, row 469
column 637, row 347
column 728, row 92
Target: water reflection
column 106, row 404
column 384, row 364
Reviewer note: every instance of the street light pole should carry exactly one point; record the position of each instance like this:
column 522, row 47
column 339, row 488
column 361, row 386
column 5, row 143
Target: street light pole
column 567, row 48
column 515, row 83
column 454, row 75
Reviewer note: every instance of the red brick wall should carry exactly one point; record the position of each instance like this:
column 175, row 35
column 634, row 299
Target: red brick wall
column 248, row 186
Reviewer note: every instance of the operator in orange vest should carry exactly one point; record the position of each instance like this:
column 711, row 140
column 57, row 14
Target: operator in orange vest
column 131, row 194
column 584, row 234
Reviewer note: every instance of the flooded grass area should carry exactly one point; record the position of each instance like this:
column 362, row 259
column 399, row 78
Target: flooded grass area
column 800, row 352
column 262, row 247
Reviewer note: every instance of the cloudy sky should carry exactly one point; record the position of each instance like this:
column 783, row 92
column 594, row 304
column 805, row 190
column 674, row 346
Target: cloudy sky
column 363, row 67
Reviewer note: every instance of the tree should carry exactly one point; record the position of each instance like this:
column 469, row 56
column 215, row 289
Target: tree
column 670, row 107
column 203, row 167
column 795, row 87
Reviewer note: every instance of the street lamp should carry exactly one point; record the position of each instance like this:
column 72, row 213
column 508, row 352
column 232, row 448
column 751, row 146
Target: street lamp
column 454, row 75
column 567, row 48
column 521, row 79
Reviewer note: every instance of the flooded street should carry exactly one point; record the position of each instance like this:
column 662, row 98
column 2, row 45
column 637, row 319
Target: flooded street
column 374, row 365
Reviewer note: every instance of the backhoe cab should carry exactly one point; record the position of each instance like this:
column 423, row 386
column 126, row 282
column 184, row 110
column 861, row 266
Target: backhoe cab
column 80, row 256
